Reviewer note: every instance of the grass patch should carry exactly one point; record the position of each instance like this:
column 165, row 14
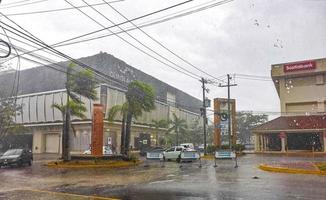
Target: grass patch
column 208, row 157
column 321, row 166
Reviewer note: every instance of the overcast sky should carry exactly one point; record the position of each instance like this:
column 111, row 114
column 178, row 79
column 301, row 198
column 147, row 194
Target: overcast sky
column 242, row 37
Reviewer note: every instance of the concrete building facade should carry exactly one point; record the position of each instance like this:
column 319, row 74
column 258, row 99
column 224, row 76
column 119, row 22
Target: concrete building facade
column 301, row 87
column 41, row 87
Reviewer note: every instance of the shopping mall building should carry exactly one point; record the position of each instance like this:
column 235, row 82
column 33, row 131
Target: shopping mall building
column 301, row 87
column 41, row 87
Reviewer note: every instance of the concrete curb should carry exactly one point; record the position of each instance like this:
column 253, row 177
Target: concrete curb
column 290, row 170
column 77, row 166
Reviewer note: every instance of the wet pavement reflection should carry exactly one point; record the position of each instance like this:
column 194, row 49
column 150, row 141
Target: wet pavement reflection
column 173, row 181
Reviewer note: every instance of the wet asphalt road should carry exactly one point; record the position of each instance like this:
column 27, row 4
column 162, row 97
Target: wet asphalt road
column 169, row 182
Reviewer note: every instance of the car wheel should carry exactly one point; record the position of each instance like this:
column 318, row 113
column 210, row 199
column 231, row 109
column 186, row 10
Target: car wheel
column 20, row 163
column 179, row 159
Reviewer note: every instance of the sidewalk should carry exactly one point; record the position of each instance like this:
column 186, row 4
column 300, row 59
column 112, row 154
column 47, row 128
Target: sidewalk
column 293, row 168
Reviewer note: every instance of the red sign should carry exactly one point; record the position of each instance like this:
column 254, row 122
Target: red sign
column 97, row 133
column 300, row 66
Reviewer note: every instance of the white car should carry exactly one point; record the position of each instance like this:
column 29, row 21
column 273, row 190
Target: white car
column 188, row 146
column 106, row 151
column 173, row 153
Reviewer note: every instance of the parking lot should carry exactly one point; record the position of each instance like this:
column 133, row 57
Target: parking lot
column 168, row 182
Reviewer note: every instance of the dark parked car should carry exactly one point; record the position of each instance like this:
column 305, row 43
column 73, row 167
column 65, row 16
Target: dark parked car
column 17, row 157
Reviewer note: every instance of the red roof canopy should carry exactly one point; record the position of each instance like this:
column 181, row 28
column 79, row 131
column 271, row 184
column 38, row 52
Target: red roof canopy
column 294, row 122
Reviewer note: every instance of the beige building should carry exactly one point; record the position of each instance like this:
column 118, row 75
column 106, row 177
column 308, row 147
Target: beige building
column 41, row 87
column 301, row 87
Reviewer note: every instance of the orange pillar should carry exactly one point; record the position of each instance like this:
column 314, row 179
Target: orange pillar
column 97, row 130
column 217, row 121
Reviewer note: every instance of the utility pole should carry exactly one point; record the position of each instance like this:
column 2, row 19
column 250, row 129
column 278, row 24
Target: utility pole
column 204, row 113
column 229, row 109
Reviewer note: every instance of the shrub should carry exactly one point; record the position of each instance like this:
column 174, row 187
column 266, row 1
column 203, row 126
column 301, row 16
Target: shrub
column 239, row 147
column 211, row 149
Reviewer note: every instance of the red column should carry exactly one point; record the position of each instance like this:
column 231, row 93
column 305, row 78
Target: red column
column 97, row 130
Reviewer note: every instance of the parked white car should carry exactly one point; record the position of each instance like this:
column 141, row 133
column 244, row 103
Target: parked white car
column 188, row 146
column 173, row 153
column 106, row 151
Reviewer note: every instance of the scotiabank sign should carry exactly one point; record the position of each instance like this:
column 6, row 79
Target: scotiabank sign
column 300, row 66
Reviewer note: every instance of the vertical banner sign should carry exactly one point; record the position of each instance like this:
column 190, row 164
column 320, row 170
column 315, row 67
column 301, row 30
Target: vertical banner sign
column 221, row 135
column 97, row 130
column 217, row 124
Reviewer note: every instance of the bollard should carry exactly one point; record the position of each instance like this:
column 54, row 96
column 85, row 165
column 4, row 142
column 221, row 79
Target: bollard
column 215, row 162
column 236, row 161
column 199, row 160
column 163, row 162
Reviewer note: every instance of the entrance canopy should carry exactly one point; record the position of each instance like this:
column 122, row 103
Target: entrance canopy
column 294, row 123
column 292, row 133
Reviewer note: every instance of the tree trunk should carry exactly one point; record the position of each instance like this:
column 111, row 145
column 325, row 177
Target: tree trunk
column 65, row 138
column 128, row 132
column 123, row 134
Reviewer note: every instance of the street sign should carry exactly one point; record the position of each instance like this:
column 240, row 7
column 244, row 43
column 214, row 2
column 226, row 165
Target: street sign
column 207, row 103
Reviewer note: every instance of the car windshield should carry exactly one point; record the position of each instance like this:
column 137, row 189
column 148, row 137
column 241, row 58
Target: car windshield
column 12, row 152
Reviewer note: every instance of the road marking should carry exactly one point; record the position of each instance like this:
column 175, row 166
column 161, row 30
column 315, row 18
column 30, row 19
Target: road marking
column 69, row 194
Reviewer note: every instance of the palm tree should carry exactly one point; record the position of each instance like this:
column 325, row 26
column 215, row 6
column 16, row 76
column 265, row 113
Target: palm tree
column 157, row 124
column 79, row 83
column 140, row 98
column 177, row 125
column 112, row 114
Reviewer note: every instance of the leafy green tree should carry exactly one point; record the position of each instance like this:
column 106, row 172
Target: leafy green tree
column 178, row 126
column 157, row 124
column 140, row 98
column 79, row 83
column 8, row 111
column 245, row 122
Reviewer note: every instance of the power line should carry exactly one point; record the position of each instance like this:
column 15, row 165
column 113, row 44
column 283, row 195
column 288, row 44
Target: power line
column 189, row 73
column 93, row 32
column 17, row 72
column 42, row 44
column 57, row 10
column 16, row 2
column 253, row 77
column 24, row 4
column 145, row 24
column 159, row 43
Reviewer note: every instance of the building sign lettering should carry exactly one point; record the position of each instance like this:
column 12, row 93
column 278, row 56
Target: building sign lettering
column 300, row 66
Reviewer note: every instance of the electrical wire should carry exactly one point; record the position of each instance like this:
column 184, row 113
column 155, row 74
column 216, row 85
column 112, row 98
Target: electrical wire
column 56, row 10
column 33, row 39
column 177, row 68
column 24, row 4
column 7, row 52
column 93, row 32
column 145, row 24
column 22, row 1
column 17, row 72
column 156, row 41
